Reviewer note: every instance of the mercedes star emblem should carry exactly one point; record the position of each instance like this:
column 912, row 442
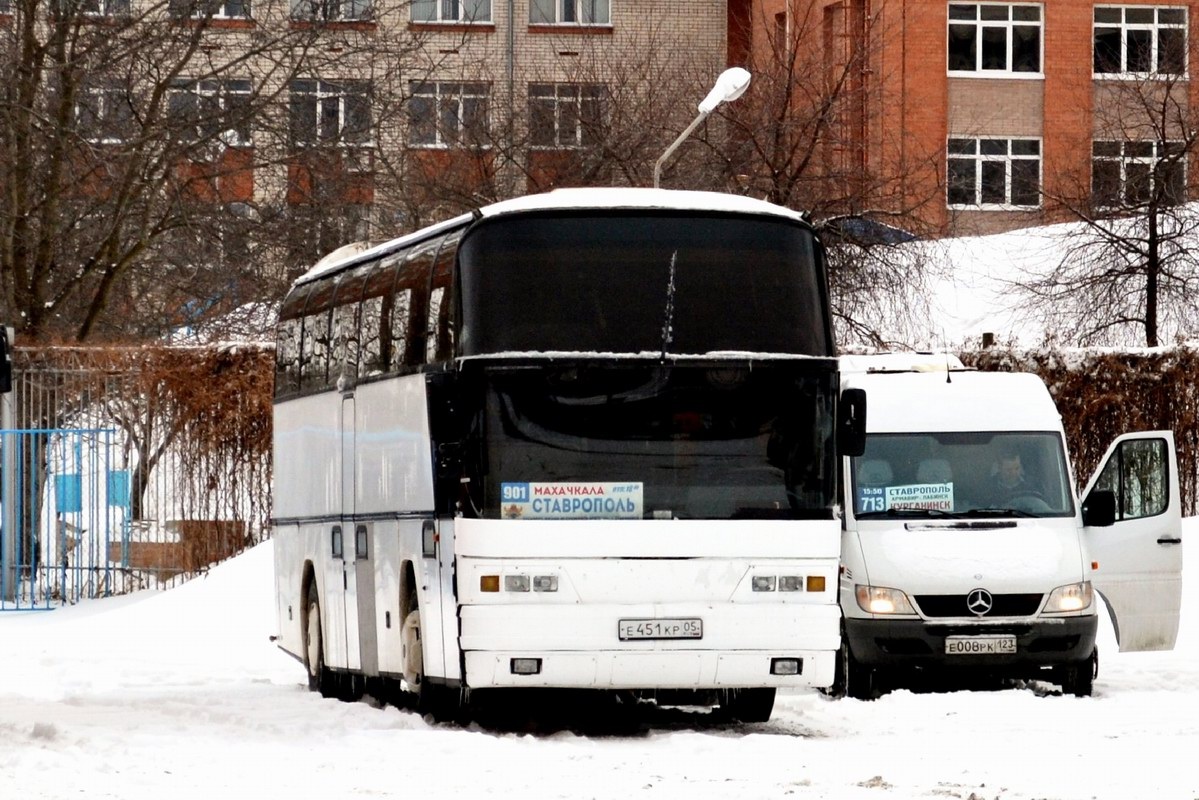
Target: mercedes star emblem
column 979, row 602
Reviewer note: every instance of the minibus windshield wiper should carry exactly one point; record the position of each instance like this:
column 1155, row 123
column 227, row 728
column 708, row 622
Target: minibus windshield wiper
column 996, row 512
column 906, row 512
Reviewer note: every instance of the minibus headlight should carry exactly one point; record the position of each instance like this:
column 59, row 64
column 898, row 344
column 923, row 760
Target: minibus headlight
column 1073, row 597
column 881, row 600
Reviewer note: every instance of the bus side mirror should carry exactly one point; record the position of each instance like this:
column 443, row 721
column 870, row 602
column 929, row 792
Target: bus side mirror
column 1099, row 510
column 5, row 360
column 851, row 423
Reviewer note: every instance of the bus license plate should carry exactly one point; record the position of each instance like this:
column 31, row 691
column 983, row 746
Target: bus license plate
column 661, row 629
column 979, row 645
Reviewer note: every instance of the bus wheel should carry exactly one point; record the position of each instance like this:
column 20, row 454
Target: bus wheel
column 434, row 699
column 748, row 705
column 319, row 677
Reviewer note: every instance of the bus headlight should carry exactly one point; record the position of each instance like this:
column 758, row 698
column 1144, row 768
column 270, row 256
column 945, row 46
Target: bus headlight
column 881, row 600
column 1072, row 597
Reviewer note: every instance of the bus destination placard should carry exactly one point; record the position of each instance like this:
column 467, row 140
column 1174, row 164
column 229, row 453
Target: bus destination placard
column 586, row 500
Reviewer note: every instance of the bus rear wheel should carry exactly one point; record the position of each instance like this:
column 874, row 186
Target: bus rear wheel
column 747, row 705
column 320, row 679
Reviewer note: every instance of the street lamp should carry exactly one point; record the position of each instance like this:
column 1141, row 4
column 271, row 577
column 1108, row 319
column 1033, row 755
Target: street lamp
column 731, row 84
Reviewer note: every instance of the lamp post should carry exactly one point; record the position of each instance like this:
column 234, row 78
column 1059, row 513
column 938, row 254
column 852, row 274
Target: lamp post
column 731, row 84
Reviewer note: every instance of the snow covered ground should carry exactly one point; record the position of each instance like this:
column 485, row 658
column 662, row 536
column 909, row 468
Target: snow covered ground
column 180, row 694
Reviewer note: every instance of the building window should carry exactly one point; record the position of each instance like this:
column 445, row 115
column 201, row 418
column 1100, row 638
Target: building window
column 207, row 110
column 214, row 9
column 104, row 113
column 1140, row 40
column 994, row 173
column 451, row 11
column 563, row 115
column 570, row 12
column 992, row 39
column 327, row 112
column 443, row 114
column 1131, row 174
column 105, row 8
column 331, row 10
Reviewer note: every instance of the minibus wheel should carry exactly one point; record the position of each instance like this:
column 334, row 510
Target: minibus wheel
column 1078, row 677
column 851, row 678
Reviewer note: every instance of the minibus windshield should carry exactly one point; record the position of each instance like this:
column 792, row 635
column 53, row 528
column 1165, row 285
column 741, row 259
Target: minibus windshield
column 962, row 474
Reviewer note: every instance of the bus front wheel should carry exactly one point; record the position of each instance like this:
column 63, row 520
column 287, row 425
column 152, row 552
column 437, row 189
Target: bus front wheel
column 434, row 699
column 748, row 705
column 319, row 677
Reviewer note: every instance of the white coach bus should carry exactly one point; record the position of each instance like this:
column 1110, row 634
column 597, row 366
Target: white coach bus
column 583, row 439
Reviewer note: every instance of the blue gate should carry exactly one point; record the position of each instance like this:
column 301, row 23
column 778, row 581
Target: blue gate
column 64, row 518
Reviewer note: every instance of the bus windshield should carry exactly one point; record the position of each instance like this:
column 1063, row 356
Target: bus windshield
column 612, row 440
column 972, row 474
column 638, row 281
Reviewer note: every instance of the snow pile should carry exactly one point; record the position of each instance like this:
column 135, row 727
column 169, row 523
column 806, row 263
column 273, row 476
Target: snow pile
column 180, row 694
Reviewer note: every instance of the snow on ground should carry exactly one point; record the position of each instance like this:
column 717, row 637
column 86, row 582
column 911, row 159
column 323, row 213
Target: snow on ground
column 180, row 694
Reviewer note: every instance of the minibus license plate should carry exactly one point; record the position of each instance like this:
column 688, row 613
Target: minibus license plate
column 979, row 645
column 661, row 629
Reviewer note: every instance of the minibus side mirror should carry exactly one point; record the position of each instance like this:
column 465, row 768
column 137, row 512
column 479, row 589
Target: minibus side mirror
column 851, row 423
column 1099, row 510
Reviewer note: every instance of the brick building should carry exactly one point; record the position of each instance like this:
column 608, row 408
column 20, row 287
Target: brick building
column 999, row 115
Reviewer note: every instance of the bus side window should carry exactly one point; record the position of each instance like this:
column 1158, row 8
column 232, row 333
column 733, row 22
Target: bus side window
column 373, row 335
column 344, row 354
column 401, row 318
column 343, row 369
column 433, row 328
column 315, row 343
column 439, row 344
column 414, row 279
column 287, row 359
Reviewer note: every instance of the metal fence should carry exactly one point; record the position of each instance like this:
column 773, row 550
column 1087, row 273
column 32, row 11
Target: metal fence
column 142, row 493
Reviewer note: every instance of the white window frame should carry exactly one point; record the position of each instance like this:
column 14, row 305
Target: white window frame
column 221, row 92
column 572, row 96
column 100, row 99
column 333, row 10
column 1153, row 28
column 1124, row 159
column 570, row 12
column 210, row 9
column 455, row 12
column 441, row 94
column 106, row 8
column 1007, row 25
column 982, row 159
column 333, row 92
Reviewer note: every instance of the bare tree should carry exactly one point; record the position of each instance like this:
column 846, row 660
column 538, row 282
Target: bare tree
column 152, row 155
column 807, row 135
column 1130, row 272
